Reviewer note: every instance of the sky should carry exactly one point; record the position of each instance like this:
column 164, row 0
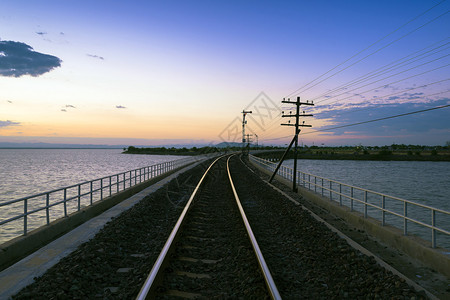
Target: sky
column 181, row 72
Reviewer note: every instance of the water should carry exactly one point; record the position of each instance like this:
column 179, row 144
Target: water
column 25, row 172
column 423, row 182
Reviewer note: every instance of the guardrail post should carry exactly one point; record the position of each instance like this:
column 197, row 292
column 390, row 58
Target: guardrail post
column 117, row 183
column 25, row 216
column 79, row 197
column 304, row 183
column 110, row 186
column 135, row 177
column 47, row 203
column 309, row 181
column 383, row 213
column 351, row 199
column 433, row 231
column 101, row 189
column 91, row 184
column 405, row 221
column 365, row 204
column 65, row 202
column 340, row 194
column 130, row 179
column 322, row 187
column 315, row 184
column 331, row 189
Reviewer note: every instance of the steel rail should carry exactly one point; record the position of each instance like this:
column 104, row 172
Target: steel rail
column 270, row 283
column 148, row 284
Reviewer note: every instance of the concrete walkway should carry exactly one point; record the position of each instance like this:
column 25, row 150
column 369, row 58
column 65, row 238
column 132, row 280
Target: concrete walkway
column 21, row 274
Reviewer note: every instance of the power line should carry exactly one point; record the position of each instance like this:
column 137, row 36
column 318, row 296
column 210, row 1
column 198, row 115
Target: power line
column 387, row 84
column 301, row 88
column 367, row 108
column 381, row 119
column 369, row 121
column 380, row 70
column 280, row 129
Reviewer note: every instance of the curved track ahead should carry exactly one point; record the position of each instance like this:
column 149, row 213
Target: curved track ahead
column 211, row 251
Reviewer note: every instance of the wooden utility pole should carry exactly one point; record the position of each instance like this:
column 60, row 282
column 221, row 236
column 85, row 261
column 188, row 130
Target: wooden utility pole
column 297, row 131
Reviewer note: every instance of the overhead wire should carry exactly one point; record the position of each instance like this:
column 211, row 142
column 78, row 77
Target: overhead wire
column 371, row 121
column 381, row 70
column 381, row 119
column 368, row 108
column 387, row 84
column 274, row 122
column 375, row 52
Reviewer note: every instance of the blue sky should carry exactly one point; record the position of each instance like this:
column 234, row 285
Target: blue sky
column 182, row 71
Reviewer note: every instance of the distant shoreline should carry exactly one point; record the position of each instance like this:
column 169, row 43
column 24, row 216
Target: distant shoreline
column 171, row 151
column 62, row 148
column 367, row 157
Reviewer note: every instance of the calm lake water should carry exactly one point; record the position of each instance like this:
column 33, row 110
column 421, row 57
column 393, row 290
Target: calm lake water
column 26, row 172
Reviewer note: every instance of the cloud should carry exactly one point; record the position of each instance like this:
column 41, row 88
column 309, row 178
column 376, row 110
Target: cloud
column 9, row 101
column 412, row 96
column 96, row 56
column 18, row 59
column 120, row 106
column 70, row 106
column 63, row 109
column 393, row 98
column 8, row 123
column 41, row 33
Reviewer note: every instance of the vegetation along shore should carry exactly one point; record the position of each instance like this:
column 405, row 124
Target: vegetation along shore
column 393, row 152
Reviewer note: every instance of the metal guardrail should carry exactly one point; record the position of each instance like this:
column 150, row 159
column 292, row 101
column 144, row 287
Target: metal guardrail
column 372, row 204
column 61, row 202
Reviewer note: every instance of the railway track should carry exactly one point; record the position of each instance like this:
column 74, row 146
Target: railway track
column 211, row 252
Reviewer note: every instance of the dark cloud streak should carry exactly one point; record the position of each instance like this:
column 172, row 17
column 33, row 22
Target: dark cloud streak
column 96, row 56
column 8, row 123
column 19, row 59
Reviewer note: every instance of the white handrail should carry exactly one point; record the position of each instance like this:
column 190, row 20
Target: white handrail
column 313, row 184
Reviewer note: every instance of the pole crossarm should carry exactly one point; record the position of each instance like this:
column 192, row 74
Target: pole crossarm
column 299, row 125
column 301, row 115
column 301, row 103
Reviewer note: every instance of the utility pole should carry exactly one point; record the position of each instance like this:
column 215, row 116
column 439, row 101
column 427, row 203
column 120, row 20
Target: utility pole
column 297, row 116
column 256, row 141
column 244, row 113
